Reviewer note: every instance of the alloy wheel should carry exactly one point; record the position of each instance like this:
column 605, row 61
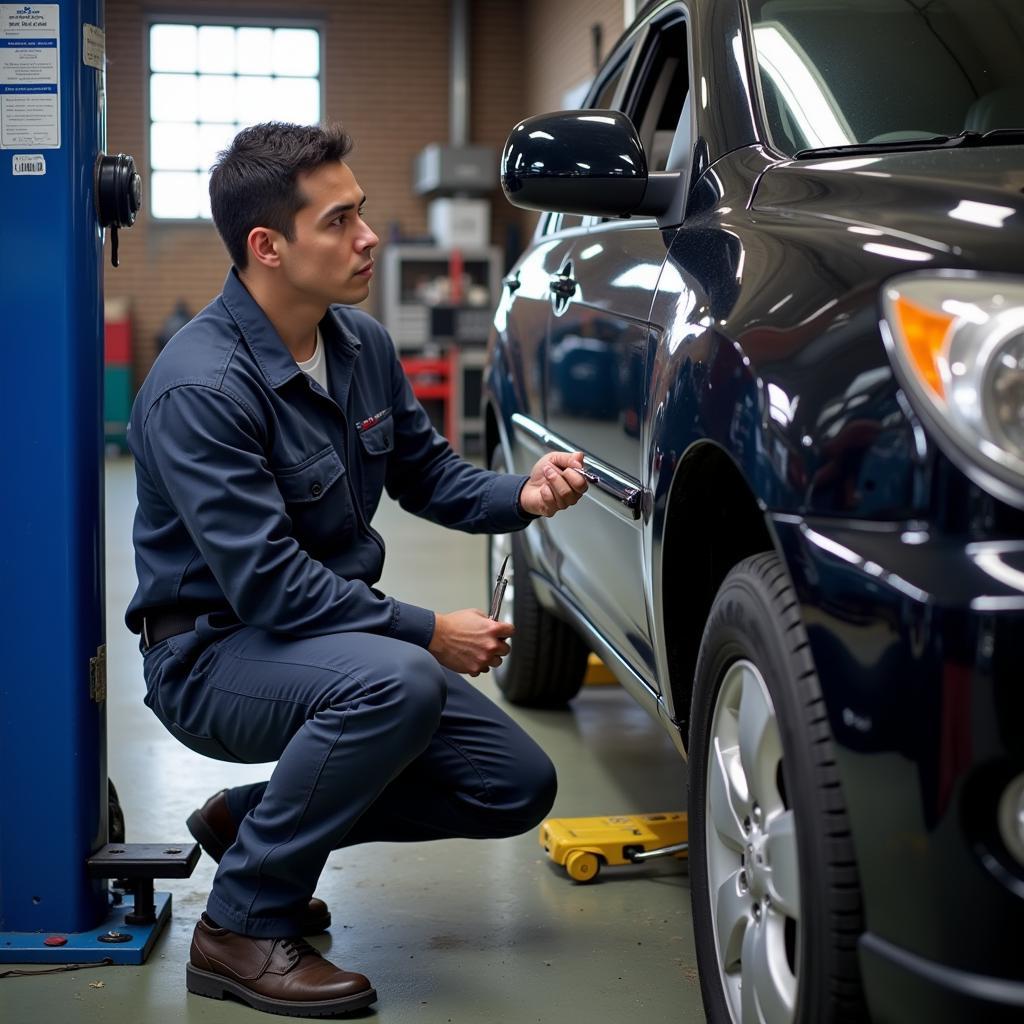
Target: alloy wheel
column 753, row 872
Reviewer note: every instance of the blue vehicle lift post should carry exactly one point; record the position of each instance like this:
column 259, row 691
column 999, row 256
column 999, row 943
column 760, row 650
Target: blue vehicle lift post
column 56, row 192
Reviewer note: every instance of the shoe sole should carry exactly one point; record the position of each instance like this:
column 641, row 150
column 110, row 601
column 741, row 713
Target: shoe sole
column 213, row 986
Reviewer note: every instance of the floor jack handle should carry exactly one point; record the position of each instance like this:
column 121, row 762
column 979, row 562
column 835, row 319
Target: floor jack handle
column 662, row 851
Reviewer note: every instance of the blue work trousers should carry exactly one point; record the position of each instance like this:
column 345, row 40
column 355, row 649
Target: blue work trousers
column 374, row 741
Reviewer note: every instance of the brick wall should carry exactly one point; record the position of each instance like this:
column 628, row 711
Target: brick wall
column 560, row 53
column 386, row 79
column 560, row 46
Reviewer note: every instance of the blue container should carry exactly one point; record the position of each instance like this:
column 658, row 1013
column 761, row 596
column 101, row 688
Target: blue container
column 52, row 729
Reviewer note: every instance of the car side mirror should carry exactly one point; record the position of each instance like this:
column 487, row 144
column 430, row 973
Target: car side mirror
column 590, row 162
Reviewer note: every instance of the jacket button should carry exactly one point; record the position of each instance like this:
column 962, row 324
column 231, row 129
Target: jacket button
column 317, row 489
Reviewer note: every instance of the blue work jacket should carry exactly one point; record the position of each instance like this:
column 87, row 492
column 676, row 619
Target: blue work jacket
column 256, row 487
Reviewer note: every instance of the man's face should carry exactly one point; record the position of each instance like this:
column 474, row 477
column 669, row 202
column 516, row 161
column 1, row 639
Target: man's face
column 331, row 256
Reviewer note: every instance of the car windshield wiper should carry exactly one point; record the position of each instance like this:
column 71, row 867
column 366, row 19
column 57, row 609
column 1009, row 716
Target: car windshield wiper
column 995, row 137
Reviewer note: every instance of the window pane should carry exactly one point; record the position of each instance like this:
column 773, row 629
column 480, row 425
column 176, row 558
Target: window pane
column 255, row 99
column 666, row 83
column 204, row 196
column 603, row 100
column 173, row 98
column 217, row 98
column 206, row 82
column 216, row 48
column 296, row 100
column 172, row 48
column 565, row 221
column 174, row 147
column 296, row 52
column 212, row 139
column 255, row 51
column 176, row 194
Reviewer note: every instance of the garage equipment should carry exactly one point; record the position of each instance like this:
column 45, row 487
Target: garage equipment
column 58, row 192
column 598, row 673
column 583, row 845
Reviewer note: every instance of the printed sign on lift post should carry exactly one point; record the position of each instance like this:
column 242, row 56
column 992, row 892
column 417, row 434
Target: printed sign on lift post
column 29, row 76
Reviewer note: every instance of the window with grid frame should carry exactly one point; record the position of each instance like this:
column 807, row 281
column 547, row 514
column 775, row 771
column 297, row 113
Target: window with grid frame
column 206, row 82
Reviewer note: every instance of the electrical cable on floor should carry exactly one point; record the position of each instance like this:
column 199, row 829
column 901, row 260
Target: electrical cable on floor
column 105, row 962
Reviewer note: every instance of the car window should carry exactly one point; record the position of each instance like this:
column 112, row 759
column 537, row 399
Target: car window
column 845, row 72
column 564, row 221
column 605, row 98
column 659, row 98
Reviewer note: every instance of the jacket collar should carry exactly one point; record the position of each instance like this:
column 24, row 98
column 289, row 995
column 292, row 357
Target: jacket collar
column 270, row 352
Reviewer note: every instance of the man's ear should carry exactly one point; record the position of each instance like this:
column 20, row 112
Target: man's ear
column 263, row 244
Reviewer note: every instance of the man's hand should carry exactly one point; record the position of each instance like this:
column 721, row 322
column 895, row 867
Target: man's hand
column 468, row 641
column 555, row 483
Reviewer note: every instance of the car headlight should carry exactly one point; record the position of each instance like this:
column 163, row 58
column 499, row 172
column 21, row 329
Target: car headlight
column 957, row 343
column 1011, row 818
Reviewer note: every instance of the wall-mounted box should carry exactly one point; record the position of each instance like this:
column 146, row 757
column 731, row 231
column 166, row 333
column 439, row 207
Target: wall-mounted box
column 460, row 223
column 441, row 169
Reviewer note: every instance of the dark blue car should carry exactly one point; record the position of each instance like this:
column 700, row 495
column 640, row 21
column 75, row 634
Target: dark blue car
column 776, row 295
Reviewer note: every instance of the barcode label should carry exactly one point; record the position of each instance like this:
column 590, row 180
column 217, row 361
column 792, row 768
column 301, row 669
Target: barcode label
column 29, row 163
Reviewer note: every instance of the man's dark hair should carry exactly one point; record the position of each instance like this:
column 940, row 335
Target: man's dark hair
column 254, row 181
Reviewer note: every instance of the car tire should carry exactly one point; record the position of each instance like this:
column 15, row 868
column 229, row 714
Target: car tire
column 548, row 660
column 774, row 886
column 115, row 815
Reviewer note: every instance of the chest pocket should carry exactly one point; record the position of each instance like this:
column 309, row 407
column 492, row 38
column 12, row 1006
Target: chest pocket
column 376, row 442
column 310, row 480
column 318, row 502
column 380, row 438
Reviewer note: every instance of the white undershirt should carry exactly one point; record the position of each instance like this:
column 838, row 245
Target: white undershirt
column 316, row 365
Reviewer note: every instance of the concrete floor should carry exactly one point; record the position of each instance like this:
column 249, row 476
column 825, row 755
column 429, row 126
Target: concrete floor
column 458, row 931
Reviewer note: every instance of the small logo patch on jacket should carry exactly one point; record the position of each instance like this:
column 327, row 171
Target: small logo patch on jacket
column 372, row 421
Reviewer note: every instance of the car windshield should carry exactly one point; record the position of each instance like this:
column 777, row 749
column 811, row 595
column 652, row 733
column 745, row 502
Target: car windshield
column 839, row 73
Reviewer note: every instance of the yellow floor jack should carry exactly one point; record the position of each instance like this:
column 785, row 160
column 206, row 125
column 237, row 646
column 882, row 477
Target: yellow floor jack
column 583, row 845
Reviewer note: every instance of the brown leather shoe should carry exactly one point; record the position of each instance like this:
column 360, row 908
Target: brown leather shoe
column 213, row 827
column 215, row 830
column 286, row 976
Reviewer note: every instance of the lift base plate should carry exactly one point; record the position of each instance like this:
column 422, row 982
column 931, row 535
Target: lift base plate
column 89, row 947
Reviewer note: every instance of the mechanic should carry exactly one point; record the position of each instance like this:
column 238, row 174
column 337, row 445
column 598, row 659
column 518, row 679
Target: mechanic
column 263, row 437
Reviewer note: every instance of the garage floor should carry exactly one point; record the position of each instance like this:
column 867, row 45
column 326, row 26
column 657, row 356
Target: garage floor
column 459, row 931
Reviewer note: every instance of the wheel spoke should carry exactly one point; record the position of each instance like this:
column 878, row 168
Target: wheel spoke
column 749, row 1013
column 728, row 805
column 785, row 869
column 760, row 750
column 732, row 916
column 767, row 972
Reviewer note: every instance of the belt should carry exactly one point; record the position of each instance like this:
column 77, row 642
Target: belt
column 159, row 625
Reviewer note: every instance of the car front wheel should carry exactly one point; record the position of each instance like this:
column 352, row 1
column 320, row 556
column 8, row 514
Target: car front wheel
column 776, row 902
column 548, row 661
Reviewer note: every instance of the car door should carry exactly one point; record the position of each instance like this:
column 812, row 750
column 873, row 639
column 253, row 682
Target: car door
column 531, row 315
column 599, row 347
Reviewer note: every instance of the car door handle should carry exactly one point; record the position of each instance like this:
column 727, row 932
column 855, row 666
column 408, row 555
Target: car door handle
column 617, row 489
column 563, row 285
column 617, row 493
